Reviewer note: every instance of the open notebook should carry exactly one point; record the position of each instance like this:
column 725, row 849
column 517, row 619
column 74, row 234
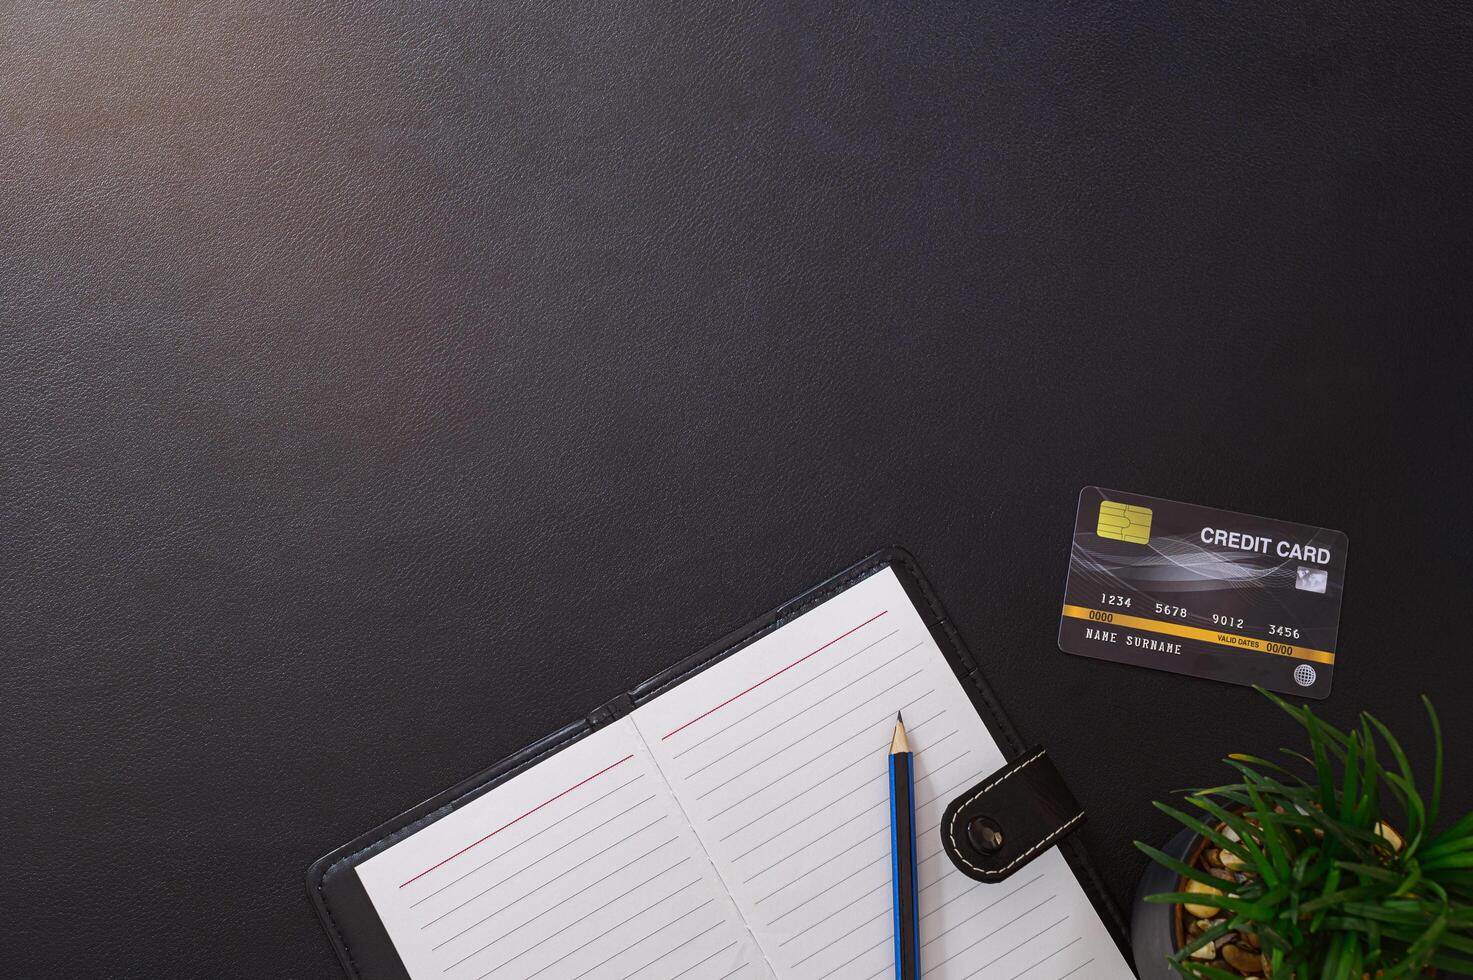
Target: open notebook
column 736, row 824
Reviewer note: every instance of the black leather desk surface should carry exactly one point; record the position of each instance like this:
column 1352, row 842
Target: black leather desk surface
column 384, row 384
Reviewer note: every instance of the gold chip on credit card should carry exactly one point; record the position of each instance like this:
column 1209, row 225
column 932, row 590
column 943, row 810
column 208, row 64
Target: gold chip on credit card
column 1124, row 522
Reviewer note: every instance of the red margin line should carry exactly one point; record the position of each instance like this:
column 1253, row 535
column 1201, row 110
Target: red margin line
column 510, row 822
column 771, row 676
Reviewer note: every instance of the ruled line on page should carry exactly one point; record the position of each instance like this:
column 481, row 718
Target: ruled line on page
column 863, row 952
column 866, row 925
column 859, row 759
column 848, row 740
column 969, row 889
column 986, row 908
column 839, row 856
column 886, row 884
column 1037, row 963
column 671, row 951
column 556, row 935
column 780, row 698
column 706, row 959
column 547, row 882
column 970, row 922
column 840, row 910
column 556, row 823
column 815, row 897
column 863, row 813
column 773, row 675
column 647, row 936
column 1013, row 949
column 881, row 823
column 516, row 820
column 618, row 925
column 931, row 829
column 819, row 784
column 988, row 935
column 537, row 861
column 802, row 712
column 867, row 783
column 529, row 948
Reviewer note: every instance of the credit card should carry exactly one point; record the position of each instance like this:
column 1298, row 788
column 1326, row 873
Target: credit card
column 1202, row 591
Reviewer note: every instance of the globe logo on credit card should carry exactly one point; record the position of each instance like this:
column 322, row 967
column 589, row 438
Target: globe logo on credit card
column 1124, row 522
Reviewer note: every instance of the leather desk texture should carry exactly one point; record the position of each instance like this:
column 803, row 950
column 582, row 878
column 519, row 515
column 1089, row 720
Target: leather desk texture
column 383, row 383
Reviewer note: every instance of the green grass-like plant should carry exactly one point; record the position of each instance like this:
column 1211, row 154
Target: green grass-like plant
column 1331, row 893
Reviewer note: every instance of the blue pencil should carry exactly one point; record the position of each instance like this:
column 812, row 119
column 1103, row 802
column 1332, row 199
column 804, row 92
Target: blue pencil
column 903, row 858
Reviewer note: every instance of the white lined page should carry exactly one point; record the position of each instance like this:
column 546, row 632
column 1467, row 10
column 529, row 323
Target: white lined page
column 777, row 756
column 582, row 867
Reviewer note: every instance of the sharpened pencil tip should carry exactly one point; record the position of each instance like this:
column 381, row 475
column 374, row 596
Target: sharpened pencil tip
column 899, row 743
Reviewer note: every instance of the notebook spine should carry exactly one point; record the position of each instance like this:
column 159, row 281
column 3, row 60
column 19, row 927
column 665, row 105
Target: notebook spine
column 607, row 714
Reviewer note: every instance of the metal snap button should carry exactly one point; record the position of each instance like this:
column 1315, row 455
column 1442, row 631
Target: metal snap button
column 985, row 835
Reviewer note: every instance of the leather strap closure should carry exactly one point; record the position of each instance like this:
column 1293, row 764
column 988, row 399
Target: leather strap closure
column 1009, row 818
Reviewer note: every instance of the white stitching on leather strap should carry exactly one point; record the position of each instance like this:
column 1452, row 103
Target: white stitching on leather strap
column 951, row 827
column 1026, row 854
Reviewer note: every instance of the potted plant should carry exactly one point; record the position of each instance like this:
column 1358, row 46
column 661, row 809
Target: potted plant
column 1326, row 867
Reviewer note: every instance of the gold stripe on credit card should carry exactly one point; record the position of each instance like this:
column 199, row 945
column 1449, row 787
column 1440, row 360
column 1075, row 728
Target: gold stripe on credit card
column 1221, row 637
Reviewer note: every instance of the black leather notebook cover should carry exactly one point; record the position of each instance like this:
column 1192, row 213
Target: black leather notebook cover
column 349, row 917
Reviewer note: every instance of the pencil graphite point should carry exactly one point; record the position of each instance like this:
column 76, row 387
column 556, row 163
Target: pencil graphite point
column 899, row 743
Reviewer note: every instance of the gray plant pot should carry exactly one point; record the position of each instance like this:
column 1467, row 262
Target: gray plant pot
column 1153, row 927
